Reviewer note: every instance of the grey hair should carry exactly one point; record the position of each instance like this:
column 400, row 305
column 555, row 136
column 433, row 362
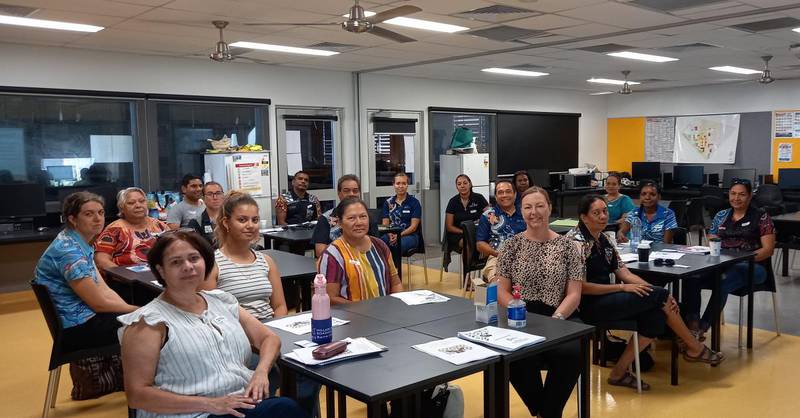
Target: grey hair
column 122, row 195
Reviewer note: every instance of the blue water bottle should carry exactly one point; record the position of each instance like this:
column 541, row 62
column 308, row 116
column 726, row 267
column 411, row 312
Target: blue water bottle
column 516, row 310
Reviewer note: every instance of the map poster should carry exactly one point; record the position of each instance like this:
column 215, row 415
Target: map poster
column 706, row 139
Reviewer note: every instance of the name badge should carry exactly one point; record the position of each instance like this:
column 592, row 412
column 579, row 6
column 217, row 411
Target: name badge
column 656, row 228
column 208, row 229
column 473, row 211
column 746, row 223
column 218, row 320
column 406, row 211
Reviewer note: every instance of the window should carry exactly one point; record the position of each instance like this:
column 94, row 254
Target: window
column 184, row 128
column 443, row 123
column 309, row 147
column 68, row 143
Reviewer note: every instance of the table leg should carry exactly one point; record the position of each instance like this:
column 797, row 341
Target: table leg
column 330, row 407
column 583, row 389
column 342, row 405
column 489, row 392
column 750, row 272
column 288, row 383
column 715, row 326
column 785, row 262
column 560, row 205
column 502, row 374
column 374, row 410
column 674, row 347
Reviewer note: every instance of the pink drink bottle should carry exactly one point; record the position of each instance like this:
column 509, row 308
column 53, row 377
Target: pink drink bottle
column 321, row 324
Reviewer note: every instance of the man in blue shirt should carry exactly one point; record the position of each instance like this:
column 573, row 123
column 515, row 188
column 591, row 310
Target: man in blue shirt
column 498, row 224
column 404, row 211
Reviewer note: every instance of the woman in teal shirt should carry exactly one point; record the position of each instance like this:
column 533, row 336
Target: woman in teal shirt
column 618, row 204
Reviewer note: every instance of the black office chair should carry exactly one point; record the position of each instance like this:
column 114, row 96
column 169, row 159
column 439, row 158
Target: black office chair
column 679, row 235
column 695, row 222
column 446, row 251
column 600, row 346
column 679, row 207
column 375, row 216
column 768, row 286
column 412, row 251
column 58, row 357
column 471, row 260
column 770, row 198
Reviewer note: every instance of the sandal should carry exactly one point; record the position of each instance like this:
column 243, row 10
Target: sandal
column 707, row 356
column 627, row 380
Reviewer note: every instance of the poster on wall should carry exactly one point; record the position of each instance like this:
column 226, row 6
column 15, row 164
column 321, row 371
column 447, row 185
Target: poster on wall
column 707, row 139
column 784, row 152
column 784, row 124
column 659, row 139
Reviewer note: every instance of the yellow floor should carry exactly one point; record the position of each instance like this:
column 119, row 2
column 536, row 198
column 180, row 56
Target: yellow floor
column 759, row 383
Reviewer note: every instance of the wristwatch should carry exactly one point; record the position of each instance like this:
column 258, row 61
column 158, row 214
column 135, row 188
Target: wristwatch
column 558, row 315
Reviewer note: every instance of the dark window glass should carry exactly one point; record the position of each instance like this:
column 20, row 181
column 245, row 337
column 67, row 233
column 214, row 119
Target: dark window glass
column 444, row 123
column 309, row 146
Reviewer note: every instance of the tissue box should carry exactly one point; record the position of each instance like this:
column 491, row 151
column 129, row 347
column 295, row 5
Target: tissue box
column 486, row 303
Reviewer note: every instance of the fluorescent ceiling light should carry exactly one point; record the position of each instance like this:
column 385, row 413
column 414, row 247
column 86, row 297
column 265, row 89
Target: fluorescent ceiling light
column 600, row 93
column 611, row 81
column 418, row 23
column 641, row 57
column 510, row 71
column 283, row 48
column 735, row 70
column 48, row 24
column 796, row 30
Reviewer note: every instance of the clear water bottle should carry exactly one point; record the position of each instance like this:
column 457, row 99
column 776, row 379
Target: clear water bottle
column 321, row 323
column 636, row 232
column 516, row 310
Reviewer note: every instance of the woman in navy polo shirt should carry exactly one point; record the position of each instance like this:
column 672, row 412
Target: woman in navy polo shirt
column 657, row 221
column 740, row 227
column 465, row 206
column 404, row 211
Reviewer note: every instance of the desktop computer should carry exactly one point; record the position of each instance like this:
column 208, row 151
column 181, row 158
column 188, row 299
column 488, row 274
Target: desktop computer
column 688, row 175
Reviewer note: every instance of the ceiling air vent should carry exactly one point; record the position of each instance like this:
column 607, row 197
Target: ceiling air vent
column 504, row 33
column 670, row 5
column 771, row 24
column 528, row 67
column 17, row 11
column 606, row 48
column 496, row 13
column 678, row 49
column 333, row 46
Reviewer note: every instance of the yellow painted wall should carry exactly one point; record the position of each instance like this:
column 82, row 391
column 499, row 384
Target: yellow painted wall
column 795, row 163
column 625, row 143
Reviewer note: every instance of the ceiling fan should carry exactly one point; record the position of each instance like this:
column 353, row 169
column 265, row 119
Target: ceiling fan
column 626, row 87
column 223, row 52
column 358, row 22
column 766, row 76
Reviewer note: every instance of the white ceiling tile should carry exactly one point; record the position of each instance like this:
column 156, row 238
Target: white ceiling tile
column 618, row 14
column 550, row 6
column 76, row 17
column 143, row 2
column 12, row 34
column 690, row 29
column 338, row 35
column 719, row 7
column 546, row 21
column 748, row 19
column 720, row 12
column 768, row 3
column 96, row 7
column 747, row 43
column 590, row 29
column 449, row 7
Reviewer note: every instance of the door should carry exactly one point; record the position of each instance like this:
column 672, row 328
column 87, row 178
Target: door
column 309, row 139
column 394, row 146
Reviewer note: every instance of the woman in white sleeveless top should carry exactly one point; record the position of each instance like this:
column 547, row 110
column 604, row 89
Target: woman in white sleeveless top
column 250, row 276
column 185, row 353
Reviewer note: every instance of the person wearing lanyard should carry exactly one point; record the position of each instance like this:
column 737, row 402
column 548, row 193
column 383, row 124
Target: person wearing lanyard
column 465, row 206
column 618, row 204
column 741, row 227
column 404, row 211
column 497, row 224
column 631, row 298
column 657, row 221
column 521, row 182
column 214, row 196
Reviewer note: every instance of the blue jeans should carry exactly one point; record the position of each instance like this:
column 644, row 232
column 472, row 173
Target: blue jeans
column 734, row 278
column 271, row 408
column 307, row 389
column 407, row 242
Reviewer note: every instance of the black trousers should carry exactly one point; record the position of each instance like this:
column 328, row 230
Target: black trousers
column 98, row 331
column 563, row 365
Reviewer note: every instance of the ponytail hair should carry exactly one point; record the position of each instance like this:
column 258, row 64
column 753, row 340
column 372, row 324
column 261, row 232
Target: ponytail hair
column 233, row 200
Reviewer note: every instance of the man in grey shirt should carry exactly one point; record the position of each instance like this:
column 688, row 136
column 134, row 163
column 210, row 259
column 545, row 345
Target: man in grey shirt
column 190, row 207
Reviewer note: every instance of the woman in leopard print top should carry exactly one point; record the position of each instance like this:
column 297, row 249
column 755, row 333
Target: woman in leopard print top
column 549, row 270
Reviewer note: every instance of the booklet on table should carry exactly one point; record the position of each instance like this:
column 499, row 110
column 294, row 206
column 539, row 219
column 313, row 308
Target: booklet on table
column 300, row 324
column 502, row 338
column 358, row 347
column 420, row 297
column 456, row 350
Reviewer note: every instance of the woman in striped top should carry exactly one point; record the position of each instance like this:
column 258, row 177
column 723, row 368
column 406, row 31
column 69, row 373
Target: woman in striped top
column 356, row 265
column 185, row 353
column 250, row 276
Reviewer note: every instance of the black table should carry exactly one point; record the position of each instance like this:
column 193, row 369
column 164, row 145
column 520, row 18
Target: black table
column 296, row 269
column 555, row 331
column 16, row 237
column 294, row 237
column 788, row 225
column 394, row 311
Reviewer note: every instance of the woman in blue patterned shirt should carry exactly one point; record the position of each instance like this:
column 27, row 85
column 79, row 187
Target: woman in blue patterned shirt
column 87, row 307
column 657, row 221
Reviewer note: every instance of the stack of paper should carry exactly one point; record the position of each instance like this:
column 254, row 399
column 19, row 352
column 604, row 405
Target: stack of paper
column 455, row 350
column 697, row 249
column 502, row 338
column 299, row 324
column 358, row 347
column 665, row 255
column 138, row 268
column 565, row 222
column 420, row 297
column 629, row 257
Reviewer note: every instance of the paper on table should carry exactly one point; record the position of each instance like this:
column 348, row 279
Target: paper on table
column 139, row 268
column 299, row 324
column 358, row 347
column 697, row 249
column 155, row 282
column 456, row 350
column 665, row 255
column 629, row 257
column 420, row 297
column 502, row 338
column 564, row 222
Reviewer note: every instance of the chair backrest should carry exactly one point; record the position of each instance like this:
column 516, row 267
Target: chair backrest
column 694, row 212
column 767, row 286
column 48, row 308
column 768, row 195
column 679, row 235
column 714, row 204
column 375, row 215
column 679, row 207
column 469, row 254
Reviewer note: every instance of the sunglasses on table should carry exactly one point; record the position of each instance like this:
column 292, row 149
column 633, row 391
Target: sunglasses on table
column 664, row 262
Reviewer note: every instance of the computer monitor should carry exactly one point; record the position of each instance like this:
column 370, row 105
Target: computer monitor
column 729, row 174
column 646, row 170
column 61, row 172
column 540, row 177
column 22, row 200
column 688, row 175
column 789, row 178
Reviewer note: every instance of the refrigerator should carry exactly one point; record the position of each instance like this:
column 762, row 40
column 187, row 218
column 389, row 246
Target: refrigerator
column 476, row 166
column 246, row 171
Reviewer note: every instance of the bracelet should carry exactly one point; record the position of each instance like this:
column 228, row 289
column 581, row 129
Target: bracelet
column 558, row 315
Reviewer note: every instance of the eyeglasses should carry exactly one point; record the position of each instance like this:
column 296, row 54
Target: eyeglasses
column 215, row 194
column 664, row 262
